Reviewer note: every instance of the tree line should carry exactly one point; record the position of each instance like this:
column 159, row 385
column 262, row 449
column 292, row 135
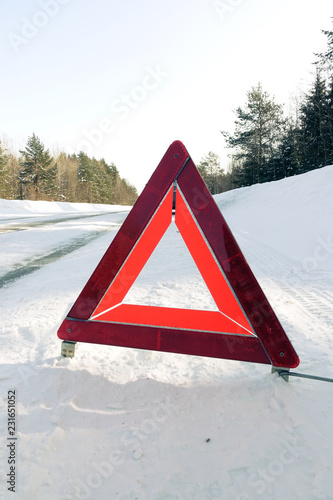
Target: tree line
column 77, row 178
column 268, row 146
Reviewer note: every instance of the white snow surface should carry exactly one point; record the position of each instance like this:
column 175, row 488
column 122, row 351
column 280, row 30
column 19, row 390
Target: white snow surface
column 126, row 424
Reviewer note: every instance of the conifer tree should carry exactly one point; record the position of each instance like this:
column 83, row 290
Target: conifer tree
column 289, row 151
column 211, row 172
column 325, row 59
column 324, row 65
column 85, row 177
column 316, row 126
column 38, row 170
column 257, row 132
column 101, row 183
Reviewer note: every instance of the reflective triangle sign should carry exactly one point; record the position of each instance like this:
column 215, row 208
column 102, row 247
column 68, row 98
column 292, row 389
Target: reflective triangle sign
column 244, row 326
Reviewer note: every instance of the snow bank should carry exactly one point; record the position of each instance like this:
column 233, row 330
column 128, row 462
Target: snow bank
column 293, row 215
column 20, row 208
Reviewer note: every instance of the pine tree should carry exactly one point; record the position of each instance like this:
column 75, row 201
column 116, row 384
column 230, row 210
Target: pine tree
column 98, row 181
column 238, row 175
column 324, row 64
column 38, row 171
column 329, row 116
column 67, row 180
column 325, row 59
column 85, row 177
column 211, row 172
column 257, row 133
column 131, row 193
column 101, row 183
column 289, row 151
column 316, row 126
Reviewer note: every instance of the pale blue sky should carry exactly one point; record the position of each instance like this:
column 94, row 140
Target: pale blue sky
column 123, row 79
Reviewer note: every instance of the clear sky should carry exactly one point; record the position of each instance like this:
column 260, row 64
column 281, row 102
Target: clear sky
column 123, row 79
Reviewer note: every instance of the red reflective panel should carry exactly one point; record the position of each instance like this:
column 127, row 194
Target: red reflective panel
column 139, row 256
column 240, row 347
column 210, row 271
column 168, row 317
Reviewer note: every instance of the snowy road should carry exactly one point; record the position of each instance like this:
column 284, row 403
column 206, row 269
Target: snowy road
column 38, row 228
column 126, row 424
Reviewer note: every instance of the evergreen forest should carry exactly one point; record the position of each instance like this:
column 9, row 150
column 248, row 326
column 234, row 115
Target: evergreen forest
column 266, row 145
column 36, row 175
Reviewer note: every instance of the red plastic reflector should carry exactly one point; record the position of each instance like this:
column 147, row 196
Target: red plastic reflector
column 243, row 328
column 136, row 260
column 169, row 317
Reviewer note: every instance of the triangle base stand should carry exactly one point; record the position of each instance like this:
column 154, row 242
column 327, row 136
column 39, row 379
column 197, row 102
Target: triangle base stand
column 285, row 374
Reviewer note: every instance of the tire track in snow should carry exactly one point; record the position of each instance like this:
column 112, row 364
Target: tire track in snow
column 277, row 272
column 314, row 302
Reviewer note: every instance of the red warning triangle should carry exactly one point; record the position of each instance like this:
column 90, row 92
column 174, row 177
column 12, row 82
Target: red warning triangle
column 243, row 328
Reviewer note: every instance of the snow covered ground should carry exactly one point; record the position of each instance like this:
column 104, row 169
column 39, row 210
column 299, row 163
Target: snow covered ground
column 126, row 424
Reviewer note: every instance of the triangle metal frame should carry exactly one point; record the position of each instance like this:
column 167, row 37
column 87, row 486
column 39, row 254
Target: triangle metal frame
column 245, row 328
